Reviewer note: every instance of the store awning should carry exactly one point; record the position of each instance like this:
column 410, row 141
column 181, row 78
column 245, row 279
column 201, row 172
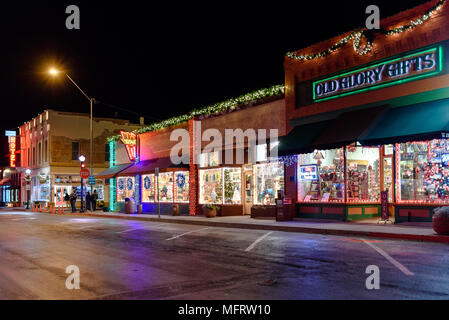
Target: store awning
column 113, row 171
column 348, row 127
column 147, row 166
column 417, row 122
column 5, row 181
column 300, row 139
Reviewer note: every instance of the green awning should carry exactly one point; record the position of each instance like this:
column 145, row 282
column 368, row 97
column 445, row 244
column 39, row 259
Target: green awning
column 300, row 139
column 424, row 121
column 348, row 127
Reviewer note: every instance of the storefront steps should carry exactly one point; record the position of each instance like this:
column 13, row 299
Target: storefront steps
column 405, row 231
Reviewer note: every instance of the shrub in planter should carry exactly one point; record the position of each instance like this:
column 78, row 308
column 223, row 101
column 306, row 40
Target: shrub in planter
column 210, row 210
column 440, row 220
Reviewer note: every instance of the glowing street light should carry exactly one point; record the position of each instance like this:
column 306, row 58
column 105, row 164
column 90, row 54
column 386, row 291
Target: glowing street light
column 82, row 158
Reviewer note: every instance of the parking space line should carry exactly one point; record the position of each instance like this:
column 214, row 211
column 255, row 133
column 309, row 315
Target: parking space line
column 183, row 234
column 396, row 263
column 257, row 241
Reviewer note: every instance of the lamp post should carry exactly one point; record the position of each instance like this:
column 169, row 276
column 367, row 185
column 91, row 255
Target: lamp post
column 27, row 176
column 54, row 72
column 82, row 159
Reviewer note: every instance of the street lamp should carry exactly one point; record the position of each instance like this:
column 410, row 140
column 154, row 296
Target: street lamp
column 54, row 72
column 27, row 176
column 82, row 158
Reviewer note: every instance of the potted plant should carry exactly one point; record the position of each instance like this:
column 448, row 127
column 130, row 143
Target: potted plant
column 440, row 220
column 210, row 210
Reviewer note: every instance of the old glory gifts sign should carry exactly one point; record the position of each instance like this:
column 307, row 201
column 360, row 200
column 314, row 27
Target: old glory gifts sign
column 411, row 67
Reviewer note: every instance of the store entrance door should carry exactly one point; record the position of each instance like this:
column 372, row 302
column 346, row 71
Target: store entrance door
column 60, row 191
column 248, row 196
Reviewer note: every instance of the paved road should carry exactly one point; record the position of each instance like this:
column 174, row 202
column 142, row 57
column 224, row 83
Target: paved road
column 124, row 259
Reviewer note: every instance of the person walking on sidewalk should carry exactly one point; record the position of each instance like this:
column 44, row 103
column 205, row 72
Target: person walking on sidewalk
column 94, row 199
column 73, row 197
column 88, row 201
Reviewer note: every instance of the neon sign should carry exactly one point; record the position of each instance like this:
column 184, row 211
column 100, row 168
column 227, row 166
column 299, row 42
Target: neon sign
column 129, row 139
column 411, row 67
column 12, row 150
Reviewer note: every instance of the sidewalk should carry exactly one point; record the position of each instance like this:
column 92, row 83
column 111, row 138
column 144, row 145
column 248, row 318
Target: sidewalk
column 403, row 231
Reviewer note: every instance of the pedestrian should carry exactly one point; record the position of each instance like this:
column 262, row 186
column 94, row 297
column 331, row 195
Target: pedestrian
column 94, row 199
column 88, row 200
column 67, row 199
column 73, row 197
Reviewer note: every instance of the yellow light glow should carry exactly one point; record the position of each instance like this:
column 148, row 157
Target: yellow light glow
column 53, row 71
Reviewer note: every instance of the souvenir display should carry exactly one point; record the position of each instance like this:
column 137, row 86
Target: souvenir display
column 165, row 186
column 181, row 186
column 268, row 180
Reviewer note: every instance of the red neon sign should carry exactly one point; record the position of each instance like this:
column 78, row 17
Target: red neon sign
column 12, row 150
column 129, row 139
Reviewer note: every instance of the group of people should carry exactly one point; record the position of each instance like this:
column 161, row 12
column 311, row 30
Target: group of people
column 91, row 200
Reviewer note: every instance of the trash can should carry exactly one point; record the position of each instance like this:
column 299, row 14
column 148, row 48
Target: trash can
column 130, row 206
column 175, row 210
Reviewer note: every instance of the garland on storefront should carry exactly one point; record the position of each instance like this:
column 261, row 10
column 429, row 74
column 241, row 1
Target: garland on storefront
column 357, row 36
column 221, row 107
column 288, row 160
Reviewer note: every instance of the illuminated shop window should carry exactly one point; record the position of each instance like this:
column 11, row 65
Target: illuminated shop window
column 232, row 185
column 268, row 179
column 165, row 186
column 423, row 174
column 363, row 174
column 181, row 186
column 211, row 189
column 148, row 188
column 211, row 159
column 125, row 188
column 321, row 176
column 261, row 152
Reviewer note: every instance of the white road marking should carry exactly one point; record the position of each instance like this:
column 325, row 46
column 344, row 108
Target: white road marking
column 257, row 241
column 178, row 236
column 391, row 259
column 19, row 219
column 134, row 229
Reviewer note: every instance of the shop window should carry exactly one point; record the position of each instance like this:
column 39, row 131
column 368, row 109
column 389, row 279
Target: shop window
column 423, row 174
column 321, row 176
column 148, row 188
column 363, row 174
column 125, row 188
column 181, row 186
column 268, row 180
column 165, row 186
column 232, row 185
column 261, row 152
column 211, row 159
column 211, row 190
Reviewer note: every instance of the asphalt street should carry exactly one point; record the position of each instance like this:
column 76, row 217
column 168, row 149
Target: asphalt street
column 125, row 259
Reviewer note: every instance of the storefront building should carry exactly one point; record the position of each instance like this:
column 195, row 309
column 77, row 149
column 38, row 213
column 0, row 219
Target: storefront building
column 371, row 117
column 157, row 185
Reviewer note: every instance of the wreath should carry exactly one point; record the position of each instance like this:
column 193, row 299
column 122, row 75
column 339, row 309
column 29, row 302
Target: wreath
column 129, row 183
column 180, row 180
column 147, row 183
column 121, row 184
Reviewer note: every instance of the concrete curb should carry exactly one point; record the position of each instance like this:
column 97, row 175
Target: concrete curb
column 385, row 235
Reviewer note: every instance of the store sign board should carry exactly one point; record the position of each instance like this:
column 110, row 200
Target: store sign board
column 391, row 72
column 10, row 133
column 129, row 139
column 12, row 151
column 384, row 204
column 308, row 172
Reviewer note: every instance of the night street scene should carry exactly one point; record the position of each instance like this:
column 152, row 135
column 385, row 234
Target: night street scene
column 225, row 160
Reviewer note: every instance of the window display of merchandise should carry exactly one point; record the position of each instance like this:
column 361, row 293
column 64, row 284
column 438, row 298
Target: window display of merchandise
column 232, row 185
column 211, row 159
column 363, row 174
column 165, row 186
column 181, row 186
column 423, row 173
column 268, row 180
column 211, row 190
column 60, row 192
column 125, row 188
column 148, row 188
column 321, row 176
column 100, row 191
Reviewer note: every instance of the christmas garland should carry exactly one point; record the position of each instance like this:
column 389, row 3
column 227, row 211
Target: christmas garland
column 357, row 36
column 221, row 107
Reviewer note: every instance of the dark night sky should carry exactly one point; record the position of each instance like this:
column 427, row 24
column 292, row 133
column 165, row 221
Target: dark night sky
column 158, row 60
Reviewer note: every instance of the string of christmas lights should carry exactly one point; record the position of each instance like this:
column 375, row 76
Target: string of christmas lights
column 357, row 36
column 221, row 107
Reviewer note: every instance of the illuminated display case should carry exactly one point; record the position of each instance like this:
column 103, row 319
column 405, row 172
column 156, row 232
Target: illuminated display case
column 423, row 171
column 321, row 176
column 211, row 189
column 232, row 185
column 148, row 188
column 125, row 188
column 181, row 186
column 165, row 186
column 268, row 179
column 363, row 174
